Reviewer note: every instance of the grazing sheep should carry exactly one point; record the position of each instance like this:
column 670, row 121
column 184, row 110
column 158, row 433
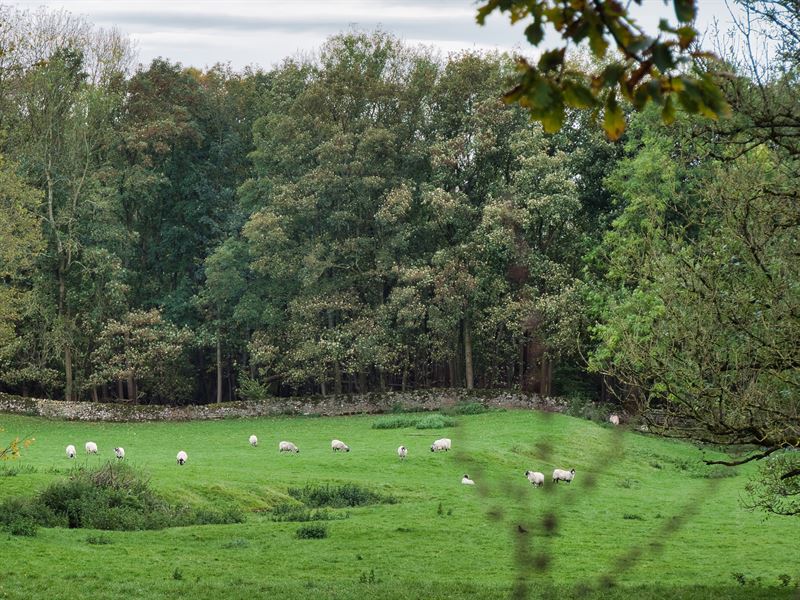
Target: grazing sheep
column 287, row 447
column 466, row 480
column 441, row 444
column 120, row 452
column 71, row 451
column 253, row 441
column 614, row 419
column 402, row 452
column 561, row 475
column 535, row 478
column 339, row 446
column 182, row 457
column 91, row 448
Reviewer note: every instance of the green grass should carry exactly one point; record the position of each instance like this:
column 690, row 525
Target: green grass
column 642, row 518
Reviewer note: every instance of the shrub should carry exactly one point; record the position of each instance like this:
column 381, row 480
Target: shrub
column 110, row 497
column 338, row 496
column 287, row 512
column 23, row 526
column 315, row 531
column 467, row 408
column 435, row 422
column 432, row 421
column 396, row 422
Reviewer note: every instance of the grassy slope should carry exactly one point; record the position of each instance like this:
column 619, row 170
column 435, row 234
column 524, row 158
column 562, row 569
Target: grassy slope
column 614, row 521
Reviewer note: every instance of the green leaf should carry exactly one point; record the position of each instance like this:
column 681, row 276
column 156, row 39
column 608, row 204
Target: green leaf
column 534, row 32
column 668, row 112
column 662, row 57
column 551, row 60
column 577, row 95
column 614, row 118
column 685, row 10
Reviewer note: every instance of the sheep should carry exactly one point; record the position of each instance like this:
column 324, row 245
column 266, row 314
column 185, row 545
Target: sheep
column 91, row 448
column 614, row 419
column 287, row 447
column 120, row 452
column 339, row 446
column 441, row 444
column 253, row 441
column 402, row 452
column 535, row 478
column 561, row 475
column 182, row 457
column 466, row 480
column 71, row 452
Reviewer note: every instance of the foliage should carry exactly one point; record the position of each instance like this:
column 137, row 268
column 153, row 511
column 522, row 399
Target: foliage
column 645, row 67
column 112, row 497
column 434, row 421
column 299, row 513
column 342, row 495
column 145, row 349
column 312, row 532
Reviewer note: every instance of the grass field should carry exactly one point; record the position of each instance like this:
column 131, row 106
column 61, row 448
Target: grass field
column 643, row 518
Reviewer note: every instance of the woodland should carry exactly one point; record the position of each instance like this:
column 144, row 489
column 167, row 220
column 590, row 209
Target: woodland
column 381, row 217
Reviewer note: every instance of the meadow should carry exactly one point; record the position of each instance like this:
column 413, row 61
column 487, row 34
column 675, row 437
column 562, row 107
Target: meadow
column 644, row 516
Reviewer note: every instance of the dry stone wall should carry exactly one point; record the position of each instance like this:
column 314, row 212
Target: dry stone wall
column 418, row 400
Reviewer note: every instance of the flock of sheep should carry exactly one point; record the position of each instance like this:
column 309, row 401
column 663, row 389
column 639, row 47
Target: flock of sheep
column 441, row 445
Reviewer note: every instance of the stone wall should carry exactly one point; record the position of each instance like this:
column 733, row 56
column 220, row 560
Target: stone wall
column 424, row 400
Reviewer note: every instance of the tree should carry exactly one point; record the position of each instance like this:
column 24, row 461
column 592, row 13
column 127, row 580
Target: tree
column 149, row 353
column 703, row 316
column 646, row 68
column 20, row 244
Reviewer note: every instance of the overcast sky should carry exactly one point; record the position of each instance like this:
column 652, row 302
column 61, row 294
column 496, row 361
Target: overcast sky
column 263, row 32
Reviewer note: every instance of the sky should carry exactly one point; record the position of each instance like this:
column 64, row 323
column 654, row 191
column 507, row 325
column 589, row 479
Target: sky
column 201, row 33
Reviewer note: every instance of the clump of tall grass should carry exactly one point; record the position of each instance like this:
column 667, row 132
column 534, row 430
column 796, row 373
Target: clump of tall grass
column 430, row 421
column 338, row 495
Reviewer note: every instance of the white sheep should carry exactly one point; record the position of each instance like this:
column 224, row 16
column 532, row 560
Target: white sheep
column 466, row 480
column 402, row 452
column 339, row 446
column 535, row 478
column 561, row 475
column 614, row 419
column 120, row 452
column 71, row 452
column 253, row 441
column 441, row 444
column 91, row 448
column 182, row 457
column 287, row 447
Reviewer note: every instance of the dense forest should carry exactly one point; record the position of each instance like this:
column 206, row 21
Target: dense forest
column 377, row 217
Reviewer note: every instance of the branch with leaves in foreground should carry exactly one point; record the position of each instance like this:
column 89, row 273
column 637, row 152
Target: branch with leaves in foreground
column 649, row 68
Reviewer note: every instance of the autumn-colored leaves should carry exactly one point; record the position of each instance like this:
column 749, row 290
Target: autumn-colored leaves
column 644, row 68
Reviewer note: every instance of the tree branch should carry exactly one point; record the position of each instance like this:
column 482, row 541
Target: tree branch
column 734, row 463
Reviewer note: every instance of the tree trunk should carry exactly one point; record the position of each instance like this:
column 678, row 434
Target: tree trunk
column 219, row 368
column 468, row 354
column 120, row 391
column 94, row 394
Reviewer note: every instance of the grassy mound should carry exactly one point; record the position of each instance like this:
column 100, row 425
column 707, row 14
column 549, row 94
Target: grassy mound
column 113, row 496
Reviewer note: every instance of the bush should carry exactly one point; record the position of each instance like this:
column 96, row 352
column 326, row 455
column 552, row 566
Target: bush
column 396, row 422
column 23, row 526
column 298, row 513
column 431, row 421
column 110, row 497
column 435, row 422
column 338, row 496
column 312, row 532
column 467, row 408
